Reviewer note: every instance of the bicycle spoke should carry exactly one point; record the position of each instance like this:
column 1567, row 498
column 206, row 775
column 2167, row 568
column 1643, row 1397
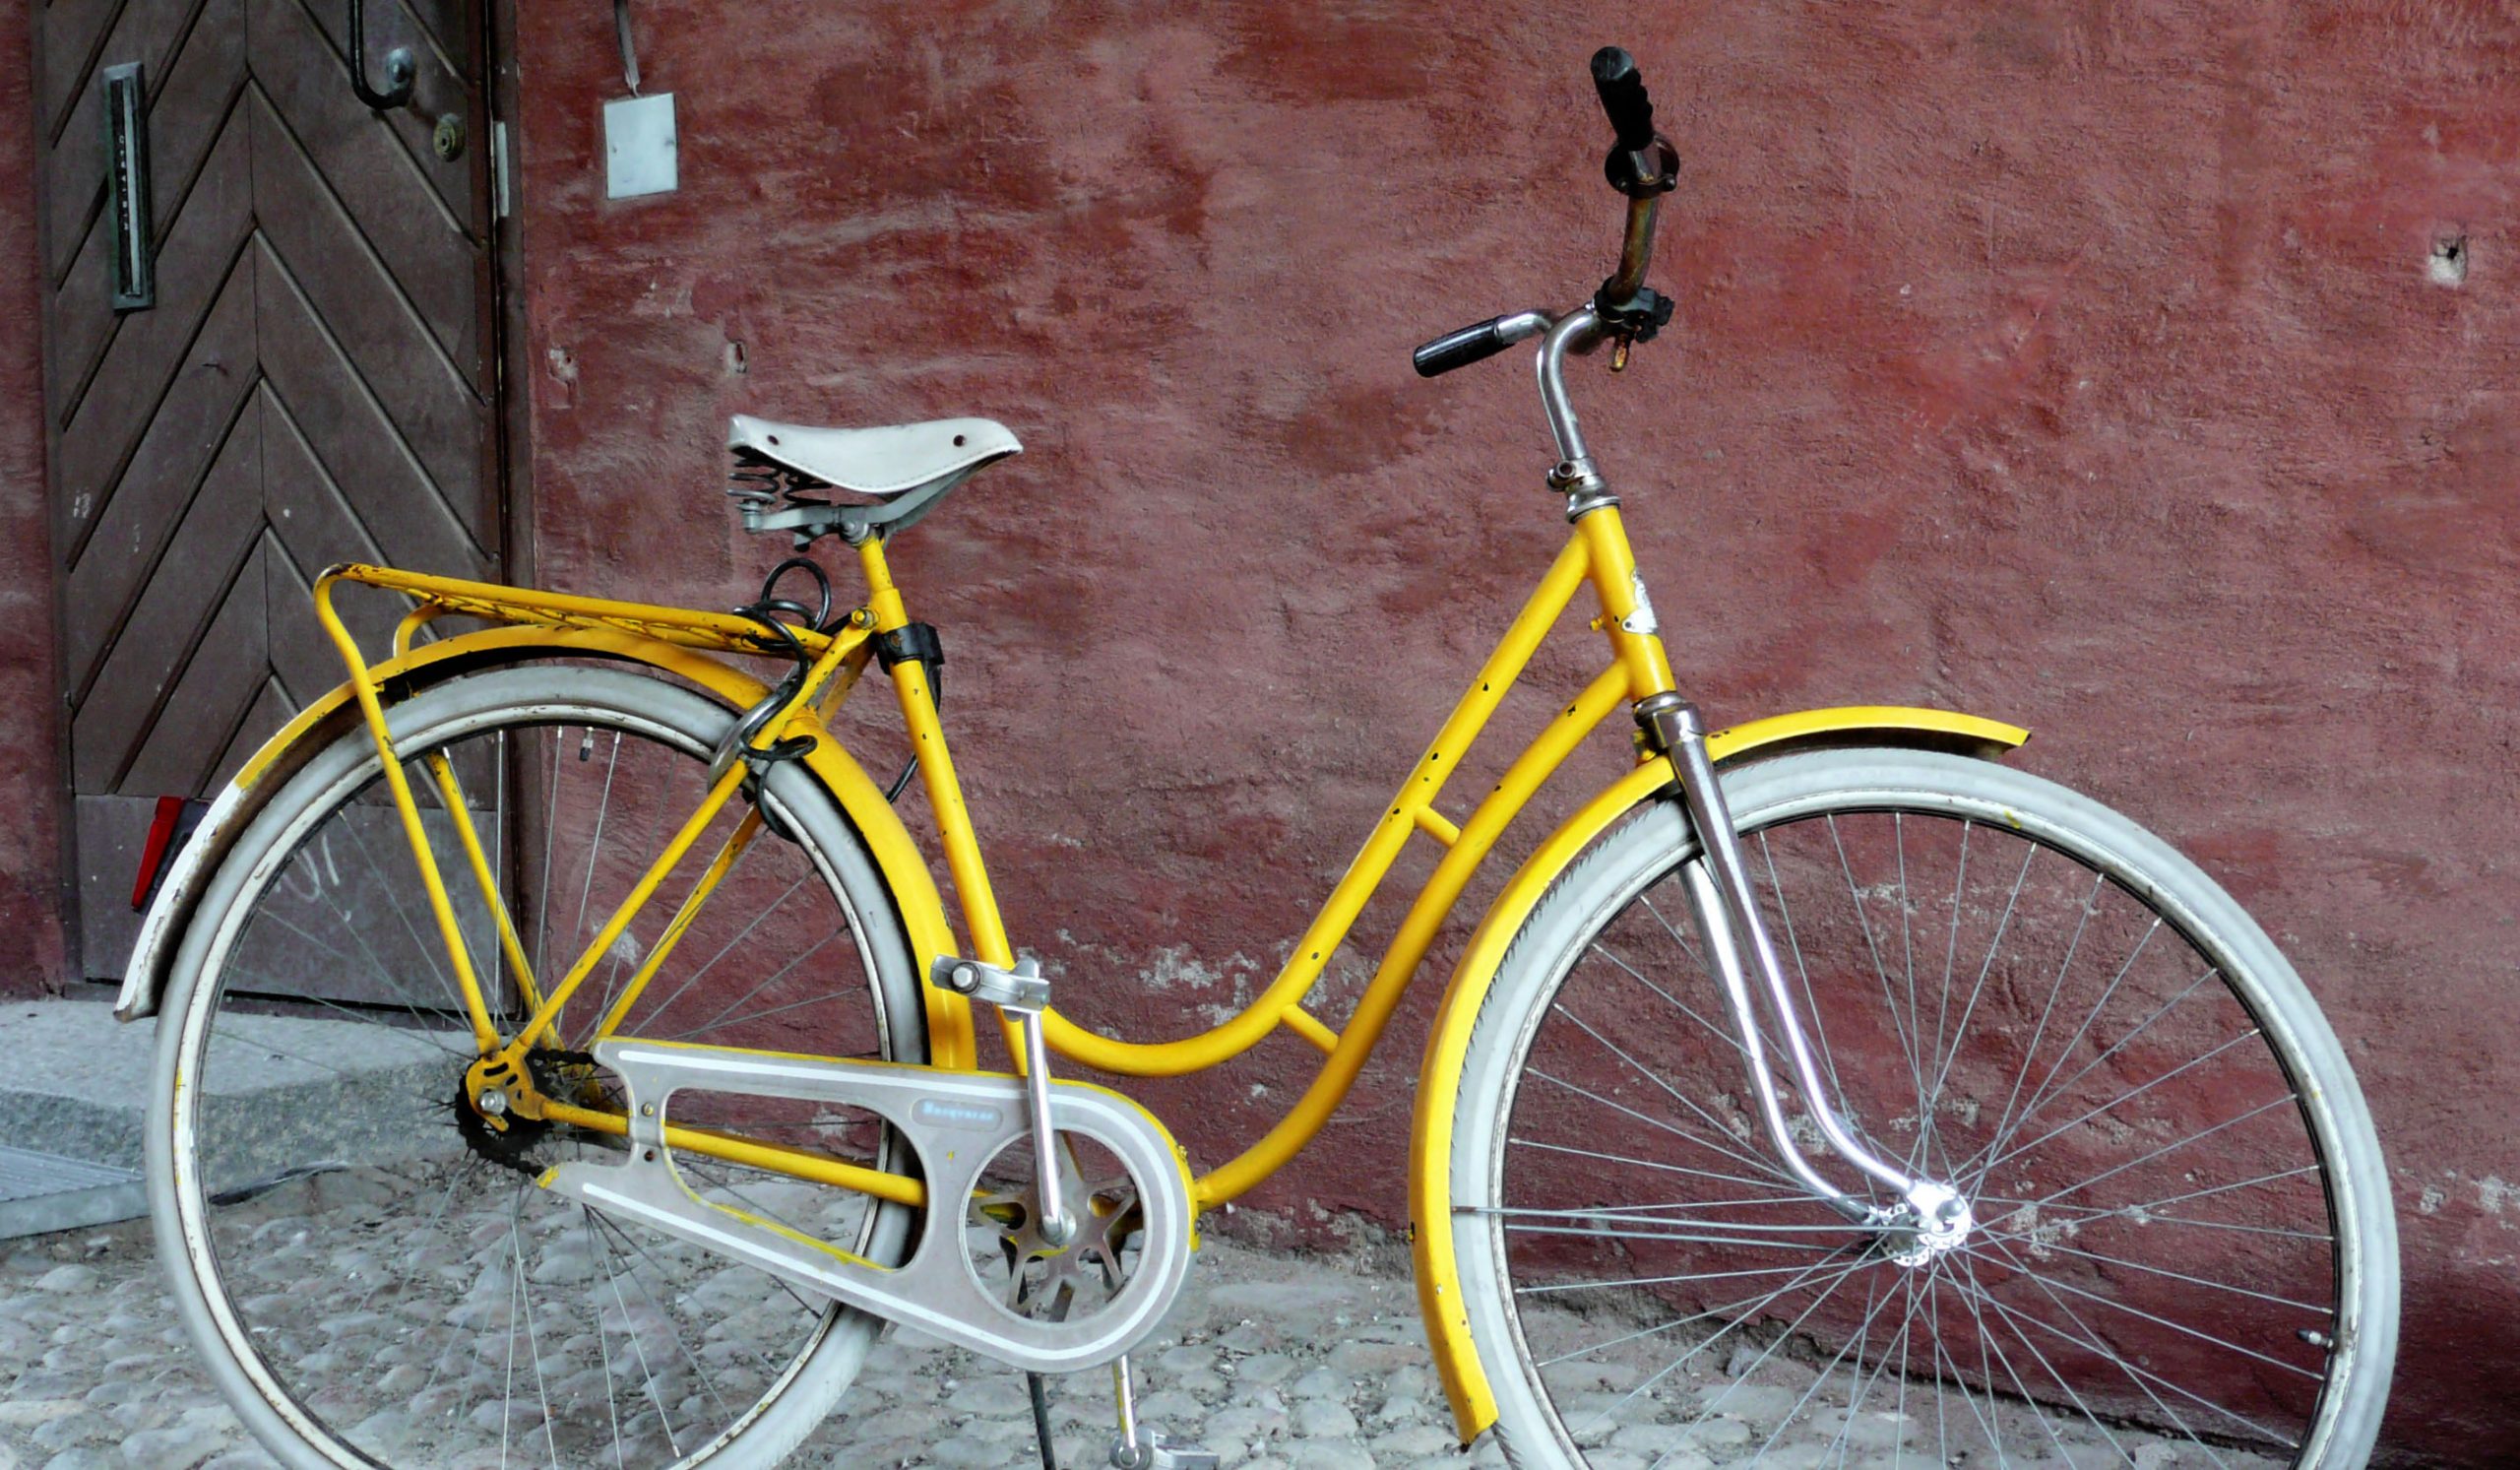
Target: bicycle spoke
column 2113, row 1104
column 1676, row 1003
column 1795, row 1194
column 1743, row 1308
column 2166, row 1148
column 630, row 1324
column 1872, row 1310
column 2038, row 1094
column 1711, row 1121
column 1812, row 1010
column 658, row 1010
column 1863, row 922
column 532, row 1338
column 1674, row 1130
column 1934, row 1094
column 595, row 846
column 2161, row 1322
column 604, row 1349
column 782, row 973
column 1942, row 1011
column 1586, row 1285
column 2096, row 1345
column 1804, row 1276
column 2056, row 991
column 2040, row 1099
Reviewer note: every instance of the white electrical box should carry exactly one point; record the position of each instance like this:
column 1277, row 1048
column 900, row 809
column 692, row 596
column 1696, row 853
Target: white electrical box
column 639, row 146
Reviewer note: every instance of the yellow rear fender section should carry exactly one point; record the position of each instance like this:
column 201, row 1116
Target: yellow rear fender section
column 1430, row 1204
column 896, row 856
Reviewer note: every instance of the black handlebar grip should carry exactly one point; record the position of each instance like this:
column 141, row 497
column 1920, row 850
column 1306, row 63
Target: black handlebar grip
column 1459, row 348
column 1622, row 89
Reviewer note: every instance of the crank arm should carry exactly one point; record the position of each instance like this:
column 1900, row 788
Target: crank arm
column 1727, row 911
column 955, row 1124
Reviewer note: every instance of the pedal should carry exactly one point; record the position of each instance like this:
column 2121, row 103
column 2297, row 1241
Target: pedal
column 1154, row 1451
column 1019, row 990
column 1140, row 1445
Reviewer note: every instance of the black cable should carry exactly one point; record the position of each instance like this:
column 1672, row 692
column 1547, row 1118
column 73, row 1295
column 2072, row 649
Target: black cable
column 1042, row 1420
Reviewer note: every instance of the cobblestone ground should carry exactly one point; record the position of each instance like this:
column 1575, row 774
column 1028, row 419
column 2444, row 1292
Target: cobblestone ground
column 1273, row 1361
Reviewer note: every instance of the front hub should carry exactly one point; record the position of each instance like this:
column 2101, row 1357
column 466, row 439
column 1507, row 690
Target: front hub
column 1931, row 1222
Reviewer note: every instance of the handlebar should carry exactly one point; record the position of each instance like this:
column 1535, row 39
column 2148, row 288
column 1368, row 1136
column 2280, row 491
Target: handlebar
column 1477, row 343
column 1641, row 164
column 1622, row 92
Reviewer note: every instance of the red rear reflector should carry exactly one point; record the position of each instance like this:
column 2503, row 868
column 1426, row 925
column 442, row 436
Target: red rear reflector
column 168, row 829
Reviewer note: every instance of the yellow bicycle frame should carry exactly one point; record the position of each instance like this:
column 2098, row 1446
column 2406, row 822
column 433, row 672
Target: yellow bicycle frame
column 685, row 643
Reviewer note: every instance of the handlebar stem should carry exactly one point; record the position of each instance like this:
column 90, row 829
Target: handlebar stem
column 1578, row 330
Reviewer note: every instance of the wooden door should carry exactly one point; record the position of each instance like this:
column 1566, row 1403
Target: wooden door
column 315, row 382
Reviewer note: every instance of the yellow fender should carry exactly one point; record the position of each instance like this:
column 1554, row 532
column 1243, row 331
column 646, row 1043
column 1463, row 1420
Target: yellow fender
column 1430, row 1205
column 896, row 856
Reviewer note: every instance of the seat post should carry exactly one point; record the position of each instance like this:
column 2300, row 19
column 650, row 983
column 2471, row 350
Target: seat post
column 986, row 929
column 883, row 599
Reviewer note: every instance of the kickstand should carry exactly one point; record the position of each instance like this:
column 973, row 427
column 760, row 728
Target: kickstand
column 1042, row 1420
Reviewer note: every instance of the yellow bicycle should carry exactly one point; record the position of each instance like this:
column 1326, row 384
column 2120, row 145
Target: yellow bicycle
column 1823, row 1090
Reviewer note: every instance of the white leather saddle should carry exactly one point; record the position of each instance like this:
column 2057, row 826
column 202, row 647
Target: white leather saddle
column 906, row 468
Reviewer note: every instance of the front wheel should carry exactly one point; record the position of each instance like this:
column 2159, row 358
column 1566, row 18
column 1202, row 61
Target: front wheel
column 2180, row 1251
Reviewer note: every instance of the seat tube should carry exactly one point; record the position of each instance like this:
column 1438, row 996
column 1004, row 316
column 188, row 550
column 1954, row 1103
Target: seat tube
column 988, row 930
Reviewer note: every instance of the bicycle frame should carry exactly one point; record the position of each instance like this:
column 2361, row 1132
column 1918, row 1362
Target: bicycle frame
column 1596, row 553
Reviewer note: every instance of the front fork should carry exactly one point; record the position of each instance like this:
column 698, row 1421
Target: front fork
column 1727, row 911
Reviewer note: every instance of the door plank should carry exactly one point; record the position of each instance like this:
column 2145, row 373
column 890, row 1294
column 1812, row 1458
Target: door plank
column 293, row 49
column 430, row 398
column 197, row 420
column 185, row 119
column 111, row 833
column 426, row 247
column 174, row 610
column 351, row 434
column 272, row 711
column 65, row 49
column 316, row 528
column 215, row 690
column 74, row 164
column 151, row 347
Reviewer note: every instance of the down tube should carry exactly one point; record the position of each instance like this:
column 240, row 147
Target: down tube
column 1538, row 762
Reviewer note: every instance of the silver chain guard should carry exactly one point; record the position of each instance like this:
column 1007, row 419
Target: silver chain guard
column 955, row 1122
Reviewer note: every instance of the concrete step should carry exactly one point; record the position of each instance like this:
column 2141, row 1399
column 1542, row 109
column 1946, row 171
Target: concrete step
column 285, row 1093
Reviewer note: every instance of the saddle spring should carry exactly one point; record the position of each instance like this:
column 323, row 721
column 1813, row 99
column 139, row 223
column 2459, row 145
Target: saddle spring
column 758, row 484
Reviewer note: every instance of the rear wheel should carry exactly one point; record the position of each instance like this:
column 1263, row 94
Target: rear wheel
column 372, row 1275
column 2181, row 1250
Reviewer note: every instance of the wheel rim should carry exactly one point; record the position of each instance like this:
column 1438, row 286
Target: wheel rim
column 2108, row 1304
column 467, row 1314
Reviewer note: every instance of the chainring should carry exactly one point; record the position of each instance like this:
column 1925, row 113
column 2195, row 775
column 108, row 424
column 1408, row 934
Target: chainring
column 1056, row 1282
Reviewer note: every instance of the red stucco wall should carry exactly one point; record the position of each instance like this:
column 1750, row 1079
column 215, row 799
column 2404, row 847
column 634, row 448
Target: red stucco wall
column 31, row 798
column 2068, row 362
